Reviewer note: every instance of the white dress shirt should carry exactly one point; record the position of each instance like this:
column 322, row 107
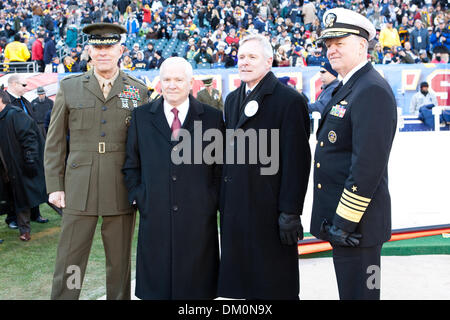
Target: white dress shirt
column 182, row 112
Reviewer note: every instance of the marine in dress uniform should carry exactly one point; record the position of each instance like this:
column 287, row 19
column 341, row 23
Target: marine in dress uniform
column 96, row 108
column 210, row 95
column 351, row 206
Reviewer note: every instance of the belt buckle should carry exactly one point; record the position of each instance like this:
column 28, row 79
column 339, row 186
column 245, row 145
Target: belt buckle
column 101, row 147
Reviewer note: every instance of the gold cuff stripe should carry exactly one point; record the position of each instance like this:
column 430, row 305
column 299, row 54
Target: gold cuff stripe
column 353, row 201
column 349, row 214
column 355, row 196
column 353, row 206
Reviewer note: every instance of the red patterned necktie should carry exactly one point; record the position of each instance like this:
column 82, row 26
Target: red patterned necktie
column 176, row 124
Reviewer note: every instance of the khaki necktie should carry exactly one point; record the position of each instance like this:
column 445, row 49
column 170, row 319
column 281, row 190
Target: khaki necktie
column 106, row 88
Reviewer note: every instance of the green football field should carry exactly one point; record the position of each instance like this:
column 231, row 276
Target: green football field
column 26, row 268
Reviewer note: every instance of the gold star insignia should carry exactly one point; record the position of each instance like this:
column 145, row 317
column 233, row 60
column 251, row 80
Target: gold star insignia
column 354, row 188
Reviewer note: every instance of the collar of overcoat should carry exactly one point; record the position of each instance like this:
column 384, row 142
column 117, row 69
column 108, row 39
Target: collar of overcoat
column 343, row 92
column 159, row 119
column 265, row 87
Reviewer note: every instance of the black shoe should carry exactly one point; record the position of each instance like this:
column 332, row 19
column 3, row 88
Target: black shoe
column 13, row 225
column 40, row 220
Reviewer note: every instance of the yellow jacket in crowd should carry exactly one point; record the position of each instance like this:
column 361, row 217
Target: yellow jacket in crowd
column 16, row 51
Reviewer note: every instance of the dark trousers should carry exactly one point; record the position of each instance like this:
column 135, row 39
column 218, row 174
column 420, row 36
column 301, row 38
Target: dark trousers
column 34, row 214
column 23, row 221
column 358, row 272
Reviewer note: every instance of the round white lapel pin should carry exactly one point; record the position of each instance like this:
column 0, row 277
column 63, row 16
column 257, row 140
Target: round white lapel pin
column 251, row 108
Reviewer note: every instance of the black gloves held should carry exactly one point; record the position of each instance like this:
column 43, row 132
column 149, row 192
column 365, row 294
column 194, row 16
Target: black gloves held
column 291, row 229
column 31, row 169
column 339, row 237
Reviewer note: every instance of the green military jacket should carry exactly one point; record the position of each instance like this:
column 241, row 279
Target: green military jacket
column 97, row 130
column 215, row 100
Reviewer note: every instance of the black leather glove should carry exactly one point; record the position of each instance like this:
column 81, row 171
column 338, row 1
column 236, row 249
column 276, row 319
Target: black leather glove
column 30, row 168
column 339, row 237
column 291, row 229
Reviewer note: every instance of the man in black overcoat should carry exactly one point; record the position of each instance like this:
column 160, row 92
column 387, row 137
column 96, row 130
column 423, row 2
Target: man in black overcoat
column 352, row 206
column 178, row 251
column 261, row 201
column 17, row 87
column 22, row 150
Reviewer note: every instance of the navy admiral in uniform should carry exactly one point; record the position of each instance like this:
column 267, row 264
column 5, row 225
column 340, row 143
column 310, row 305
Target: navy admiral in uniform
column 351, row 207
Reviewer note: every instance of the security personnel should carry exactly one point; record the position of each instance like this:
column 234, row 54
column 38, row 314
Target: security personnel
column 210, row 96
column 41, row 105
column 96, row 108
column 351, row 207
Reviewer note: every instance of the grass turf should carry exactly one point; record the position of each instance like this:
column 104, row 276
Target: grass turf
column 26, row 268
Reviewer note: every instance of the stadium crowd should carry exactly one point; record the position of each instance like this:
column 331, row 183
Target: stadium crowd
column 207, row 32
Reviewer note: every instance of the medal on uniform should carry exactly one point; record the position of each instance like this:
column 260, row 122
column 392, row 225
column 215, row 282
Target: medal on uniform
column 124, row 103
column 251, row 108
column 332, row 137
column 338, row 111
column 129, row 93
column 128, row 121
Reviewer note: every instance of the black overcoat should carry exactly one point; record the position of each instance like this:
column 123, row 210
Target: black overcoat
column 254, row 263
column 178, row 251
column 20, row 138
column 351, row 158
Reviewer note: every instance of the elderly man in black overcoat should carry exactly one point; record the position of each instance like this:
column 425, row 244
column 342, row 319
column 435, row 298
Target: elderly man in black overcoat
column 178, row 251
column 261, row 201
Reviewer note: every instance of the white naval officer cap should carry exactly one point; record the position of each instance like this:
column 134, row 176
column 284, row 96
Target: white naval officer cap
column 340, row 22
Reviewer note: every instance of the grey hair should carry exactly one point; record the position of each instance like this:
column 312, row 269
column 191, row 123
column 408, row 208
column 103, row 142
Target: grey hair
column 265, row 44
column 187, row 66
column 13, row 79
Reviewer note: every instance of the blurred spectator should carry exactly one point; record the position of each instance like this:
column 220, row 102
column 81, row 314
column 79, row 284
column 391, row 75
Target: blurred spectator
column 403, row 30
column 377, row 54
column 140, row 63
column 440, row 36
column 419, row 37
column 203, row 56
column 421, row 98
column 157, row 60
column 41, row 106
column 308, row 13
column 281, row 58
column 316, row 58
column 403, row 56
column 71, row 36
column 232, row 59
column 389, row 36
column 440, row 55
column 148, row 53
column 49, row 49
column 55, row 66
column 37, row 52
column 70, row 65
column 127, row 63
column 328, row 76
column 16, row 51
column 297, row 59
column 191, row 53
